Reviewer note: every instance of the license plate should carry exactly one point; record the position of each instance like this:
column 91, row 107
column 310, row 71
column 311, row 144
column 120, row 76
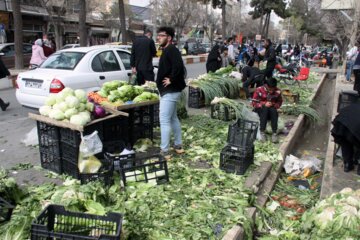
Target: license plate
column 33, row 84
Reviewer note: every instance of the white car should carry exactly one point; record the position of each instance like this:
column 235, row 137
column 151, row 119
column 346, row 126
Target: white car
column 78, row 68
column 67, row 46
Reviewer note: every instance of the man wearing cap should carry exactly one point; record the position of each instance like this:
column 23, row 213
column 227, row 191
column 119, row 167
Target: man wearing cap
column 266, row 101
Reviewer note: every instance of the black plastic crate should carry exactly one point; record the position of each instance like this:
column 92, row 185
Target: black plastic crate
column 242, row 133
column 70, row 168
column 54, row 222
column 105, row 175
column 49, row 137
column 141, row 131
column 222, row 112
column 50, row 161
column 196, row 98
column 112, row 152
column 236, row 160
column 147, row 169
column 116, row 129
column 73, row 137
column 156, row 115
column 6, row 210
column 346, row 98
column 69, row 152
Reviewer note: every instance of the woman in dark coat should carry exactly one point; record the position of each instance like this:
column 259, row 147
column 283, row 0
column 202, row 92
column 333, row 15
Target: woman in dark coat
column 213, row 62
column 346, row 133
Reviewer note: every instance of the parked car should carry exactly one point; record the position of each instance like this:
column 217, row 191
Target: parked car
column 67, row 46
column 120, row 45
column 207, row 47
column 84, row 68
column 8, row 57
column 196, row 48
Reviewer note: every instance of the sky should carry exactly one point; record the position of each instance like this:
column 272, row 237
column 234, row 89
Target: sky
column 141, row 3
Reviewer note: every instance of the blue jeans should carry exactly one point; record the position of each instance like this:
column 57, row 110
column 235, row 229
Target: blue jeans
column 169, row 120
column 349, row 67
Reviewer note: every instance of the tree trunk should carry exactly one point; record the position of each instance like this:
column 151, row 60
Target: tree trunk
column 355, row 25
column 261, row 24
column 122, row 21
column 223, row 15
column 19, row 59
column 267, row 25
column 82, row 24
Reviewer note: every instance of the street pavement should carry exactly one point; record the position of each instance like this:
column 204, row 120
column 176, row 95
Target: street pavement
column 15, row 124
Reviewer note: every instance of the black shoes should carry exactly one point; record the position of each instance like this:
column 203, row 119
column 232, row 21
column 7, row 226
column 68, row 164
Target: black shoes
column 4, row 106
column 348, row 167
column 358, row 170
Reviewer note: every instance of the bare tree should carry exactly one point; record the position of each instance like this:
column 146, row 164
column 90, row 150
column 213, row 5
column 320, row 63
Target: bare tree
column 19, row 60
column 82, row 24
column 177, row 13
column 56, row 10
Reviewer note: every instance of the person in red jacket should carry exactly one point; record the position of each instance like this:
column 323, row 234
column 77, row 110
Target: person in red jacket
column 266, row 101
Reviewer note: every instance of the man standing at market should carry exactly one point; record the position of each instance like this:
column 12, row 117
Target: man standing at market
column 142, row 53
column 170, row 82
column 270, row 58
column 267, row 100
column 231, row 52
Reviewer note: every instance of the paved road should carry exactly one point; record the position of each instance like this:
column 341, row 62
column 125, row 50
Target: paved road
column 15, row 124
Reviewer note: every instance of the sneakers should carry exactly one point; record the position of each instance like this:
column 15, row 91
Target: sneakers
column 262, row 137
column 166, row 155
column 274, row 138
column 178, row 149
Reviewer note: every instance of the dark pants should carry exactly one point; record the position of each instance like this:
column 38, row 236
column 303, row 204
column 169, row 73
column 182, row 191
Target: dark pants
column 268, row 71
column 265, row 114
column 144, row 75
column 250, row 81
column 347, row 150
column 357, row 80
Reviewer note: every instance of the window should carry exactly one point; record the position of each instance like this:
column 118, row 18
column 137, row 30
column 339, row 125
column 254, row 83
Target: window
column 9, row 50
column 66, row 60
column 125, row 58
column 27, row 48
column 105, row 62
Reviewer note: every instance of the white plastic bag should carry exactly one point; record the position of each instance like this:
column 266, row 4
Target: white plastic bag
column 295, row 166
column 31, row 138
column 90, row 144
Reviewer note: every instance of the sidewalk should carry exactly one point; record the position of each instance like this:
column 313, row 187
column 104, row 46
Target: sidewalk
column 334, row 177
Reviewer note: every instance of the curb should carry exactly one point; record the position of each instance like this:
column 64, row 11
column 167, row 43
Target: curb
column 270, row 178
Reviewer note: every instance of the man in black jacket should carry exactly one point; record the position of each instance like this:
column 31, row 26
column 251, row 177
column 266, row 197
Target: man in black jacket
column 270, row 57
column 142, row 53
column 170, row 82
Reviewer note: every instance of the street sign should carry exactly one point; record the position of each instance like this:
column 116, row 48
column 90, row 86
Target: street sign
column 258, row 37
column 337, row 4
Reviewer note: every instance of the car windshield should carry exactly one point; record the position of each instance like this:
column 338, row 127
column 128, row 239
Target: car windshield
column 64, row 60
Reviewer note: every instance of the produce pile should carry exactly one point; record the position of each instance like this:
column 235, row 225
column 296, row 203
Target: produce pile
column 218, row 84
column 336, row 217
column 70, row 106
column 304, row 104
column 197, row 203
column 119, row 92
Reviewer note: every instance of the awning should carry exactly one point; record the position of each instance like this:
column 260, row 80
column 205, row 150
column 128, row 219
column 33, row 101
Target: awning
column 100, row 30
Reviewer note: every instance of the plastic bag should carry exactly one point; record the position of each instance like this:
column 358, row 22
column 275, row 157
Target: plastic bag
column 133, row 79
column 31, row 138
column 90, row 144
column 295, row 166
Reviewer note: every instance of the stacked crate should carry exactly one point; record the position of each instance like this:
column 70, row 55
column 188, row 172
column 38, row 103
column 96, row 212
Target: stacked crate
column 238, row 154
